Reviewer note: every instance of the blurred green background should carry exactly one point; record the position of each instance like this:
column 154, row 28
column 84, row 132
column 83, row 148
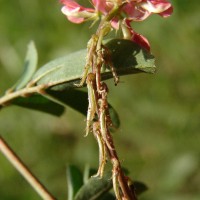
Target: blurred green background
column 159, row 137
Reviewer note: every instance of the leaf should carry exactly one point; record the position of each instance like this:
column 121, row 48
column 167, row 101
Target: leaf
column 54, row 102
column 87, row 173
column 74, row 181
column 115, row 118
column 66, row 69
column 78, row 100
column 98, row 188
column 139, row 187
column 107, row 196
column 40, row 103
column 30, row 65
column 127, row 57
column 61, row 74
column 95, row 188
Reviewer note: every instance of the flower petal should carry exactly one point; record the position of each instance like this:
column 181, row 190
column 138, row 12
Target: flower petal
column 115, row 23
column 136, row 37
column 156, row 6
column 70, row 13
column 100, row 5
column 135, row 12
column 141, row 40
column 167, row 12
column 75, row 12
column 139, row 10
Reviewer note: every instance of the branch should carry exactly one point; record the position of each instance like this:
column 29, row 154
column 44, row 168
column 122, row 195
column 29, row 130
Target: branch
column 25, row 172
column 9, row 96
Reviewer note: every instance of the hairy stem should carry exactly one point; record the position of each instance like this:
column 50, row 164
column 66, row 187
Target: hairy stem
column 98, row 104
column 23, row 169
column 118, row 172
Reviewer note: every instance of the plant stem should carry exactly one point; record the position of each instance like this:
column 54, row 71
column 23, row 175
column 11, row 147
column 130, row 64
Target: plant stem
column 23, row 92
column 25, row 172
column 130, row 195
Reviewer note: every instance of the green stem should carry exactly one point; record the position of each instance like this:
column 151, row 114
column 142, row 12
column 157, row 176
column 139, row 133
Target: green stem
column 23, row 92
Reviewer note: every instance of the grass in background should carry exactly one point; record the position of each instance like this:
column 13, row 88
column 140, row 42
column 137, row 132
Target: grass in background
column 159, row 137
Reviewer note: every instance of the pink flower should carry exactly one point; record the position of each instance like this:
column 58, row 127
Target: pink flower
column 129, row 10
column 136, row 10
column 139, row 10
column 75, row 12
column 78, row 14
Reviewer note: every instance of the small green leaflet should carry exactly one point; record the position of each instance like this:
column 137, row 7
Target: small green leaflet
column 74, row 181
column 30, row 65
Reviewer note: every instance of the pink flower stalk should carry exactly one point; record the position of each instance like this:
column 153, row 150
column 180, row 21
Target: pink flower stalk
column 134, row 10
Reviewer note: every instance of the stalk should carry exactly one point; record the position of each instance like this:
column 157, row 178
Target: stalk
column 24, row 171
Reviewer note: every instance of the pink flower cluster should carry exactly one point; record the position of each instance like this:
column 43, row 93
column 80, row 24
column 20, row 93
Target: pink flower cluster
column 129, row 10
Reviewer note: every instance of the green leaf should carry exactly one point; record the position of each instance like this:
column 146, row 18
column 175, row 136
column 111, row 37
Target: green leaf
column 78, row 100
column 95, row 188
column 139, row 187
column 54, row 102
column 98, row 188
column 63, row 70
column 127, row 57
column 87, row 173
column 30, row 65
column 74, row 181
column 115, row 118
column 61, row 74
column 107, row 196
column 40, row 103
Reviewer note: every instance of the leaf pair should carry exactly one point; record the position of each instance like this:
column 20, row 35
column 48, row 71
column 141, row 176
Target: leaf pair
column 126, row 56
column 60, row 75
